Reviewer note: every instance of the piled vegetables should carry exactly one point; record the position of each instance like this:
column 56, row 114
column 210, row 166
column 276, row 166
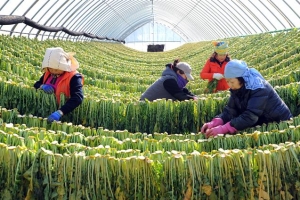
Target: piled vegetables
column 40, row 164
column 115, row 147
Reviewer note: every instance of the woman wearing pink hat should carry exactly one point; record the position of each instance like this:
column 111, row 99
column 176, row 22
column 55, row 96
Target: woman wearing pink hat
column 252, row 101
column 215, row 65
column 61, row 76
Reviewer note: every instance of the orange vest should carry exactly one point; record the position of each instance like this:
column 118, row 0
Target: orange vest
column 63, row 85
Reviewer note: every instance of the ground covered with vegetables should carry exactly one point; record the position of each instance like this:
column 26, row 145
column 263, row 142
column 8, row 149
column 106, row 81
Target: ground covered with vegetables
column 115, row 147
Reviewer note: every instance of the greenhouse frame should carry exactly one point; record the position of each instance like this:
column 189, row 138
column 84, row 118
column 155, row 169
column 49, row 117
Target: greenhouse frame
column 193, row 20
column 210, row 112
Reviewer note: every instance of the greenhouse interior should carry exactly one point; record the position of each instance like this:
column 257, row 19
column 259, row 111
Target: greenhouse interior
column 88, row 110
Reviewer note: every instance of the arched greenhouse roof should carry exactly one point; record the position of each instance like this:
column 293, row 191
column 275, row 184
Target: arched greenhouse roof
column 193, row 20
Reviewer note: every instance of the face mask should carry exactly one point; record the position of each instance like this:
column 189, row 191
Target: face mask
column 181, row 81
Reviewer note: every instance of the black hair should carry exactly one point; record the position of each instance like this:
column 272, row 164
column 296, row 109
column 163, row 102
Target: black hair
column 173, row 66
column 176, row 61
column 180, row 71
column 241, row 80
column 213, row 57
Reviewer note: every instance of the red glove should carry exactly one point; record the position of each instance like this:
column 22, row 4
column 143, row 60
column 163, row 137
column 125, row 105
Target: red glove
column 222, row 129
column 215, row 122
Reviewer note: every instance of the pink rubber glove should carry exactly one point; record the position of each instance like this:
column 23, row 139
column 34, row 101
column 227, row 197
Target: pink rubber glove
column 215, row 122
column 222, row 129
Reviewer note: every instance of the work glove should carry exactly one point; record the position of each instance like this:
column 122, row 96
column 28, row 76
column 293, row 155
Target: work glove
column 218, row 76
column 47, row 88
column 55, row 116
column 221, row 129
column 215, row 122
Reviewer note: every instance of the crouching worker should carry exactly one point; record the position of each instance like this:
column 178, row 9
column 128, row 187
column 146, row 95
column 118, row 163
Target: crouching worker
column 60, row 76
column 171, row 85
column 252, row 101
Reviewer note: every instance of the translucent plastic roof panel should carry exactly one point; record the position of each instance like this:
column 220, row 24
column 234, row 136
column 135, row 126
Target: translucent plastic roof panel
column 193, row 20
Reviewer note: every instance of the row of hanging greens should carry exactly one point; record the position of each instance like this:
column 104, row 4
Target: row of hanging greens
column 158, row 116
column 68, row 138
column 267, row 172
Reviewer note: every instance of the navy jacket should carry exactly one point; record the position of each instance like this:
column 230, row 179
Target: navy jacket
column 76, row 93
column 248, row 108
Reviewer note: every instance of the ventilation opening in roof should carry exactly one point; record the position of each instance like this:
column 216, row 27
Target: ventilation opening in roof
column 155, row 48
column 152, row 36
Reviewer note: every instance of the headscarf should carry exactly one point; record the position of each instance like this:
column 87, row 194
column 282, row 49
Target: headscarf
column 57, row 58
column 238, row 68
